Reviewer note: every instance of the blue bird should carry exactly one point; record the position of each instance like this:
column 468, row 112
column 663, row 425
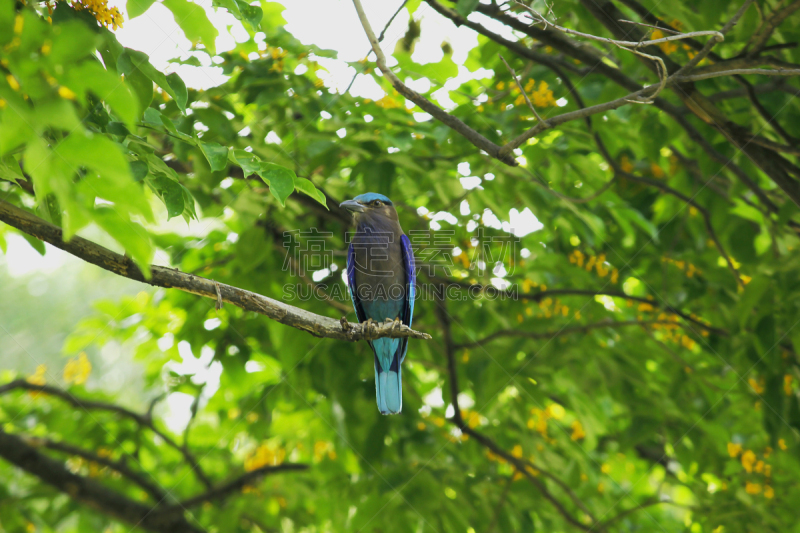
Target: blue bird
column 382, row 279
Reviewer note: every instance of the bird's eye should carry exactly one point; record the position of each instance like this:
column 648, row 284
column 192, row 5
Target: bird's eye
column 376, row 203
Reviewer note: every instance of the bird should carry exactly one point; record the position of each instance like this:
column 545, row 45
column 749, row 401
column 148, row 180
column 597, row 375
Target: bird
column 381, row 277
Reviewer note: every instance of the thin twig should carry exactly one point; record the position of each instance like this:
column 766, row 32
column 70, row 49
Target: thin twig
column 426, row 105
column 742, row 71
column 521, row 90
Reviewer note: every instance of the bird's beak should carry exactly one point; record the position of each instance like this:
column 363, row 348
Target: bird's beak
column 352, row 206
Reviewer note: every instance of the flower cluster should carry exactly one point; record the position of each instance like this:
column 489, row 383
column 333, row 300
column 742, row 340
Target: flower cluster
column 541, row 97
column 322, row 449
column 387, row 102
column 687, row 267
column 108, row 17
column 265, row 455
column 753, row 465
column 38, row 379
column 597, row 262
column 77, row 370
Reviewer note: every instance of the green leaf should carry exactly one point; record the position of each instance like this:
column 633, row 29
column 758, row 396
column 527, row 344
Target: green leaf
column 193, row 21
column 97, row 153
column 171, row 193
column 216, row 154
column 181, row 95
column 250, row 163
column 251, row 14
column 92, row 77
column 131, row 236
column 306, row 187
column 439, row 72
column 138, row 170
column 9, row 170
column 280, row 180
column 465, row 7
column 138, row 7
column 133, row 59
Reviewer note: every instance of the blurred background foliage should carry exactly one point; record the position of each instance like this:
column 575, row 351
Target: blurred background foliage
column 648, row 374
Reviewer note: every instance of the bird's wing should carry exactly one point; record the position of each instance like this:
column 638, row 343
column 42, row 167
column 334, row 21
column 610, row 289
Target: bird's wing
column 407, row 314
column 351, row 283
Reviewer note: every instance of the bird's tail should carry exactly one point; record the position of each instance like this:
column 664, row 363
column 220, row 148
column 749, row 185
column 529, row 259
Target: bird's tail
column 389, row 387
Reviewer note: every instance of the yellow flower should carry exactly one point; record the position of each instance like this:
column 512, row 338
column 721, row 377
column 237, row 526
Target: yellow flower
column 656, row 170
column 12, row 82
column 782, row 444
column 66, row 93
column 77, row 370
column 387, row 102
column 769, row 493
column 734, row 449
column 752, row 488
column 473, row 419
column 421, row 426
column 625, row 164
column 577, row 431
column 614, row 275
column 38, row 378
column 787, row 384
column 667, row 47
column 748, row 460
column 605, row 468
column 264, row 455
column 555, row 411
column 501, row 85
column 252, row 417
column 543, row 96
column 19, row 22
column 756, row 386
column 516, row 451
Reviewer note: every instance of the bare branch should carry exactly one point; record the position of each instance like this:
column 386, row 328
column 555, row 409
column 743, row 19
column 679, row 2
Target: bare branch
column 91, row 405
column 763, row 34
column 235, row 485
column 741, row 72
column 539, row 19
column 561, row 332
column 151, row 488
column 90, row 492
column 538, row 296
column 317, row 325
column 426, row 105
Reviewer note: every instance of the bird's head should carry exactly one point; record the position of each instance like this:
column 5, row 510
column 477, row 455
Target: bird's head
column 370, row 205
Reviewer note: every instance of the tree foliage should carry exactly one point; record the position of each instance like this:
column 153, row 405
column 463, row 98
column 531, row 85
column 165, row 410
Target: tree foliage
column 631, row 364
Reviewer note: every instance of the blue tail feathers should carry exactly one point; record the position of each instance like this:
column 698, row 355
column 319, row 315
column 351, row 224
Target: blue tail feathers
column 389, row 387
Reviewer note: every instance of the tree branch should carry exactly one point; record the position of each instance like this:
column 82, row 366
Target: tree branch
column 90, row 492
column 151, row 488
column 521, row 465
column 235, row 485
column 558, row 333
column 426, row 105
column 739, row 72
column 538, row 296
column 317, row 325
column 90, row 405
